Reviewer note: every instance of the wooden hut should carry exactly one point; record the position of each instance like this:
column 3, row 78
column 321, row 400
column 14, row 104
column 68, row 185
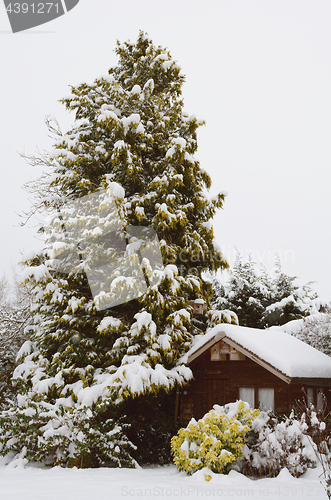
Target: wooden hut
column 269, row 369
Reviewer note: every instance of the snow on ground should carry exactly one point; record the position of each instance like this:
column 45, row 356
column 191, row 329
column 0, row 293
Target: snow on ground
column 31, row 483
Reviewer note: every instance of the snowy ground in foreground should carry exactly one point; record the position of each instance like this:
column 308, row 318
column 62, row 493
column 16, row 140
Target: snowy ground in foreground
column 32, row 483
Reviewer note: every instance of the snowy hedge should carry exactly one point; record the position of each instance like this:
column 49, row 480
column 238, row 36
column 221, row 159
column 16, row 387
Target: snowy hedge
column 255, row 443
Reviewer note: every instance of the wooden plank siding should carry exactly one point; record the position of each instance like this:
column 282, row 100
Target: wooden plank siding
column 218, row 382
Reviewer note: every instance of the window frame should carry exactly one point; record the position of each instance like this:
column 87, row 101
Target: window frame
column 247, row 388
column 313, row 397
column 256, row 390
column 259, row 400
column 319, row 402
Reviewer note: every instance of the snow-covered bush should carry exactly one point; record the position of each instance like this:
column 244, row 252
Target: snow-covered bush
column 216, row 440
column 256, row 443
column 14, row 319
column 317, row 427
column 273, row 445
column 64, row 434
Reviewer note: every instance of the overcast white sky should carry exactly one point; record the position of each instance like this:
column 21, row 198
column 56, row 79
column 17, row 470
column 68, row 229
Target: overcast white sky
column 258, row 72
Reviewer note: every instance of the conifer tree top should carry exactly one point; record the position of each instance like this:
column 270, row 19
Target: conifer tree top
column 142, row 62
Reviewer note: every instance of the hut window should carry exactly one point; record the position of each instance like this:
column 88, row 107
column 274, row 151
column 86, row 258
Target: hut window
column 247, row 394
column 310, row 396
column 319, row 404
column 315, row 397
column 267, row 399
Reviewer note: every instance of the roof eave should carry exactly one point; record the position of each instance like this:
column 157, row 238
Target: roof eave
column 315, row 381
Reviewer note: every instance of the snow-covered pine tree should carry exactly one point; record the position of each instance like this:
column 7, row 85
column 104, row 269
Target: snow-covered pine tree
column 261, row 300
column 243, row 294
column 131, row 139
column 289, row 301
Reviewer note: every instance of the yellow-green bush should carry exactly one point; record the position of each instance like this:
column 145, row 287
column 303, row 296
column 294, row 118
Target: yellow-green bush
column 214, row 441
